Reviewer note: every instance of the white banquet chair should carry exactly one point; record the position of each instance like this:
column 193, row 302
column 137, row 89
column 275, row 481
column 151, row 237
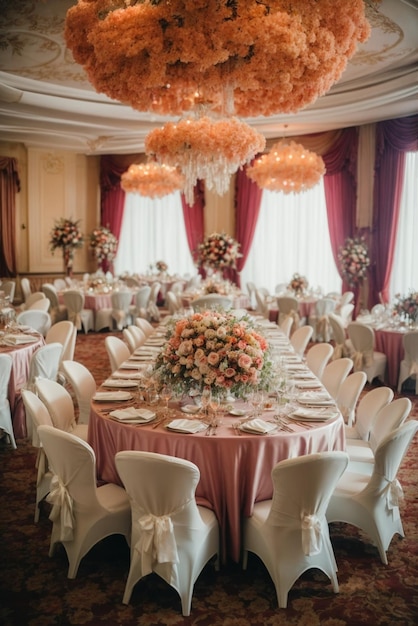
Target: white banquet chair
column 6, row 424
column 82, row 514
column 173, row 302
column 63, row 333
column 57, row 311
column 286, row 326
column 334, row 375
column 348, row 395
column 139, row 307
column 81, row 318
column 320, row 319
column 37, row 412
column 37, row 320
column 409, row 365
column 84, row 386
column 60, row 405
column 117, row 351
column 144, row 325
column 211, row 301
column 171, row 535
column 32, row 298
column 318, row 356
column 364, row 355
column 9, row 288
column 25, row 288
column 367, row 409
column 346, row 314
column 42, row 304
column 300, row 338
column 371, row 502
column 289, row 305
column 338, row 335
column 290, row 532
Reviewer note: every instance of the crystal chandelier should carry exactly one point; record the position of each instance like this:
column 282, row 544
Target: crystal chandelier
column 288, row 167
column 152, row 180
column 205, row 148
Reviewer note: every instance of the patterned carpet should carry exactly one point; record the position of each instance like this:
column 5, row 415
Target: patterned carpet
column 35, row 590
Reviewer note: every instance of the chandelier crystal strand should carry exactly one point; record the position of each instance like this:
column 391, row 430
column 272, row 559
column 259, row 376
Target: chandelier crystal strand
column 152, row 180
column 279, row 56
column 205, row 149
column 288, row 167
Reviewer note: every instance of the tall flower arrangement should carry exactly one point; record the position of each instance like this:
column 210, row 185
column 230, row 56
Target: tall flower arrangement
column 298, row 283
column 407, row 305
column 217, row 350
column 104, row 245
column 218, row 250
column 354, row 260
column 66, row 235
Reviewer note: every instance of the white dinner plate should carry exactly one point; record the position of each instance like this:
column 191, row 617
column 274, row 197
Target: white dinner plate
column 190, row 408
column 237, row 412
column 257, row 427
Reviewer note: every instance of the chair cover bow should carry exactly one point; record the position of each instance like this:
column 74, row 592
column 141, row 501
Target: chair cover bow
column 362, row 359
column 157, row 542
column 394, row 494
column 311, row 534
column 75, row 318
column 338, row 351
column 322, row 327
column 62, row 508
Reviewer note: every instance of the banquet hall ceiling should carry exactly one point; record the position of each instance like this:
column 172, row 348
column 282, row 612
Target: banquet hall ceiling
column 46, row 100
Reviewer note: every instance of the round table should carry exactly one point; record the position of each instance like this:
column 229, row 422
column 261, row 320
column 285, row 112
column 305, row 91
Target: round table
column 235, row 469
column 21, row 355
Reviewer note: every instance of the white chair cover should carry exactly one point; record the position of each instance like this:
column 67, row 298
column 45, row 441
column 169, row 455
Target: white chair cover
column 409, row 365
column 171, row 535
column 82, row 514
column 335, row 373
column 38, row 320
column 317, row 357
column 211, row 301
column 320, row 320
column 117, row 351
column 44, row 363
column 84, row 387
column 367, row 409
column 144, row 325
column 290, row 533
column 371, row 502
column 338, row 334
column 5, row 413
column 364, row 356
column 60, row 407
column 121, row 301
column 348, row 395
column 57, row 311
column 300, row 339
column 140, row 302
column 77, row 314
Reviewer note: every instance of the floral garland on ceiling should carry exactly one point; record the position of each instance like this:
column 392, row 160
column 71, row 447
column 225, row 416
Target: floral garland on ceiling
column 152, row 180
column 206, row 149
column 277, row 56
column 288, row 167
column 354, row 260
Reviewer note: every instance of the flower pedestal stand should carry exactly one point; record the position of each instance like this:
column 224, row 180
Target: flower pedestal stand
column 68, row 258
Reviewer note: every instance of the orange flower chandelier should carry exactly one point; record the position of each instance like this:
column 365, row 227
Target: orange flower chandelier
column 277, row 56
column 205, row 148
column 152, row 180
column 288, row 168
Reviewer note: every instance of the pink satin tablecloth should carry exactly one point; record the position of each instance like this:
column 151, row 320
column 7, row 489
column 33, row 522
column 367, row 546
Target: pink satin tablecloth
column 390, row 343
column 21, row 356
column 235, row 470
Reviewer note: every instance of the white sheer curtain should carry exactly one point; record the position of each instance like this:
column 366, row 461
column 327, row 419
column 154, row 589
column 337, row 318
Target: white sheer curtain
column 153, row 230
column 405, row 266
column 292, row 236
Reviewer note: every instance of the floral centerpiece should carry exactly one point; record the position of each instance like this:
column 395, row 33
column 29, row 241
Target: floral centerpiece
column 298, row 283
column 161, row 266
column 354, row 260
column 218, row 250
column 104, row 245
column 217, row 350
column 66, row 235
column 407, row 305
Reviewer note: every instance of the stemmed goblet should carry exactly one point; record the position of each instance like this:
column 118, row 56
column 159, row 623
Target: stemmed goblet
column 166, row 394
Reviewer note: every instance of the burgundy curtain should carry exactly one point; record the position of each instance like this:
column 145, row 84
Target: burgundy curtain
column 340, row 189
column 112, row 196
column 247, row 209
column 194, row 218
column 393, row 139
column 9, row 186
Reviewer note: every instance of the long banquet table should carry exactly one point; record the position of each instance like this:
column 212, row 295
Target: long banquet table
column 235, row 466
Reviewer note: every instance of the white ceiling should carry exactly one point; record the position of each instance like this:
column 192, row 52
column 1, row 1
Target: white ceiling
column 46, row 100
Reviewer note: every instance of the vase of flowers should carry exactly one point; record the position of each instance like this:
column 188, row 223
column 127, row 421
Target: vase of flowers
column 354, row 261
column 298, row 284
column 216, row 350
column 218, row 251
column 104, row 245
column 161, row 267
column 66, row 235
column 406, row 306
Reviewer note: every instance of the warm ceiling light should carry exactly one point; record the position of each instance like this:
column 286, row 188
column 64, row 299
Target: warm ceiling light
column 152, row 180
column 276, row 56
column 205, row 149
column 288, row 167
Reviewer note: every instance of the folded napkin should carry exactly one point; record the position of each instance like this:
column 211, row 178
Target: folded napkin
column 190, row 408
column 19, row 339
column 132, row 415
column 186, row 426
column 110, row 396
column 295, row 367
column 154, row 342
column 308, row 384
column 115, row 382
column 314, row 415
column 317, row 399
column 258, row 426
column 129, row 376
column 126, row 365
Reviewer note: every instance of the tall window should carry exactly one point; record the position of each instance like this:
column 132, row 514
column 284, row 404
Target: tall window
column 292, row 236
column 405, row 265
column 153, row 230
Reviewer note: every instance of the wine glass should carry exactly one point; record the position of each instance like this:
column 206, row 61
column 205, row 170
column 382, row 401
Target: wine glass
column 165, row 395
column 256, row 399
column 205, row 400
column 215, row 403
